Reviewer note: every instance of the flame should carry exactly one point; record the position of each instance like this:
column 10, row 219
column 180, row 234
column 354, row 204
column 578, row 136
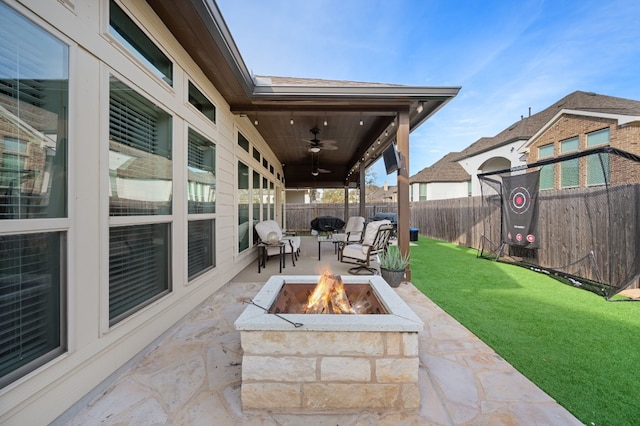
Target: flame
column 329, row 296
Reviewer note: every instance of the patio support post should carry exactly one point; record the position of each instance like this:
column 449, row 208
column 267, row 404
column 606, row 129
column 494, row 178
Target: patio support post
column 404, row 214
column 363, row 187
column 346, row 203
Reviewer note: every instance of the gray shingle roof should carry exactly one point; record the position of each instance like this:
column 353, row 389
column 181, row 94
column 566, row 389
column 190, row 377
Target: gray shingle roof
column 444, row 170
column 528, row 126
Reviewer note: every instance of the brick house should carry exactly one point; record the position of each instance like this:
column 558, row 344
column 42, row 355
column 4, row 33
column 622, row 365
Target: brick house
column 578, row 121
column 583, row 121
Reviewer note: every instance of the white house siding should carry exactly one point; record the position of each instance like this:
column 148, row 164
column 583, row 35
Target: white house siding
column 474, row 164
column 440, row 190
column 446, row 190
column 95, row 349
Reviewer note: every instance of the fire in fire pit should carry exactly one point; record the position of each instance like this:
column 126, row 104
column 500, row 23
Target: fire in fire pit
column 328, row 296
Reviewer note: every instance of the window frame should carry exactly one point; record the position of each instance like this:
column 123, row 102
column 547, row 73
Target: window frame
column 563, row 165
column 59, row 225
column 550, row 167
column 193, row 217
column 131, row 52
column 136, row 220
column 204, row 100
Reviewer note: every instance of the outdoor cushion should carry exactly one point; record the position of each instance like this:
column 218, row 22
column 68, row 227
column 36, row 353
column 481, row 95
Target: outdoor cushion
column 352, row 232
column 264, row 228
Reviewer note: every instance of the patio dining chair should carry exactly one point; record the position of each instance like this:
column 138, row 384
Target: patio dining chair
column 352, row 233
column 375, row 241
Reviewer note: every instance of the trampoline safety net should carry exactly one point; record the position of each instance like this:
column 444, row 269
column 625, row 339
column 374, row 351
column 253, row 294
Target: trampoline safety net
column 574, row 217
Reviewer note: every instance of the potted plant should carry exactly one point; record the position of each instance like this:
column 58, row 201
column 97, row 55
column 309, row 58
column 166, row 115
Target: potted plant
column 393, row 265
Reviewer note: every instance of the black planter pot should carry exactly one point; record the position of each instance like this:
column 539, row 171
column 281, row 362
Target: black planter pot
column 393, row 277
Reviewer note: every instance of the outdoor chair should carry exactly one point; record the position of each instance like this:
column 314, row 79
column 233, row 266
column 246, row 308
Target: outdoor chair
column 375, row 241
column 352, row 233
column 270, row 233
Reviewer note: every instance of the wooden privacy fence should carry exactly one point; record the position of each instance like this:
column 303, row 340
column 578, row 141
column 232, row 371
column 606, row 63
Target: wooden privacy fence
column 300, row 215
column 572, row 224
column 588, row 232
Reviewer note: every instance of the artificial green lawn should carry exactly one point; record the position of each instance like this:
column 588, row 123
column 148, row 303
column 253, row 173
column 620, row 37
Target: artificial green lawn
column 580, row 349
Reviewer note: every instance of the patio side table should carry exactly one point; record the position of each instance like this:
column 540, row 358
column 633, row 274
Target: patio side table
column 326, row 239
column 262, row 254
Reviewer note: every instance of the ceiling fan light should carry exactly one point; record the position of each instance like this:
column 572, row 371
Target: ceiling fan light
column 315, row 173
column 314, row 149
column 420, row 107
column 325, row 122
column 291, row 121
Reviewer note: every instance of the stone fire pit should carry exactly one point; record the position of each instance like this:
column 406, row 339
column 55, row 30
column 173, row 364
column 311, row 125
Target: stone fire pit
column 336, row 362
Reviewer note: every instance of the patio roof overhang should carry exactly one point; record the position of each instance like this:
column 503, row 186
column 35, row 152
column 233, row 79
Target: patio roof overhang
column 199, row 27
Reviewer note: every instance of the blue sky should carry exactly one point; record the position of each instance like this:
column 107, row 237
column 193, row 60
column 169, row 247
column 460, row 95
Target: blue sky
column 507, row 56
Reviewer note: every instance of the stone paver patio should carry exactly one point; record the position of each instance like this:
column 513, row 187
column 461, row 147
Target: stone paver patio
column 192, row 376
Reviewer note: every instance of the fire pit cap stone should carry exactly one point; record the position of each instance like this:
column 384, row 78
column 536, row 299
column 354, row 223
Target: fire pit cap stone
column 400, row 318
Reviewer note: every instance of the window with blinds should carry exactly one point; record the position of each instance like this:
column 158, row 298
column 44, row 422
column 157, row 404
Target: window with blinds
column 202, row 174
column 34, row 91
column 201, row 251
column 31, row 299
column 598, row 165
column 33, row 106
column 137, row 42
column 138, row 267
column 422, row 188
column 201, row 194
column 243, row 206
column 140, row 154
column 256, row 203
column 569, row 169
column 140, row 177
column 547, row 173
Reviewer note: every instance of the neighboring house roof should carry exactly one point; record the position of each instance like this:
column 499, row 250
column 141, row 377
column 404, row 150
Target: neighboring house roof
column 447, row 169
column 527, row 127
column 377, row 193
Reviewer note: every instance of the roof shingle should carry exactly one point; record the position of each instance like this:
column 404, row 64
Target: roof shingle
column 444, row 170
column 526, row 127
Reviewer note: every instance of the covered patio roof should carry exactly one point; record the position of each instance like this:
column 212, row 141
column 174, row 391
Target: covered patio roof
column 361, row 118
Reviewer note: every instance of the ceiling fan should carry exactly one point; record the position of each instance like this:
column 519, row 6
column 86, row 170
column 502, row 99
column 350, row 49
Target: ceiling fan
column 317, row 170
column 315, row 144
column 315, row 166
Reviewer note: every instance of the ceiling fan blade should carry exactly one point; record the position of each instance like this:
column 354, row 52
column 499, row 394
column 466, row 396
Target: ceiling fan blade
column 329, row 147
column 324, row 171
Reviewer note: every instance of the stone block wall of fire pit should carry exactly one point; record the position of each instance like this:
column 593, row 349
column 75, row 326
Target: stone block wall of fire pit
column 340, row 363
